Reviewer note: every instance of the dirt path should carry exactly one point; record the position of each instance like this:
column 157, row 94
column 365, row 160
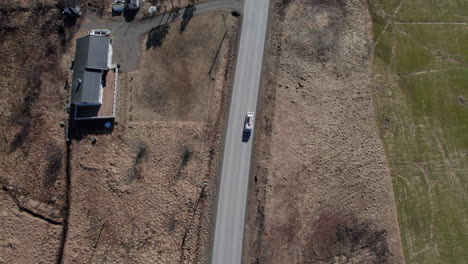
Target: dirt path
column 320, row 189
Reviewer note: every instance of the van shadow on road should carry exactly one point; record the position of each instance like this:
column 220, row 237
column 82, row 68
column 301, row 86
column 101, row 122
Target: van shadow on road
column 246, row 136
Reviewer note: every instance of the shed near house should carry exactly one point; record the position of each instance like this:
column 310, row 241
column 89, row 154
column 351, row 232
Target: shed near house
column 93, row 86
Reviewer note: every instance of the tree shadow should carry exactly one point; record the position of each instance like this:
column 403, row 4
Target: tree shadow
column 175, row 14
column 130, row 14
column 188, row 14
column 156, row 36
column 70, row 21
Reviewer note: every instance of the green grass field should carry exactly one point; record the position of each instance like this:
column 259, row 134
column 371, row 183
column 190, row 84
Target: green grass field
column 421, row 84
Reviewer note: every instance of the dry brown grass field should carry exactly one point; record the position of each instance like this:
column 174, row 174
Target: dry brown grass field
column 320, row 189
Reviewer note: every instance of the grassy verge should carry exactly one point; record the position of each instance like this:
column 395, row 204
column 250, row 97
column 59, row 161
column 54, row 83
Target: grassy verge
column 421, row 84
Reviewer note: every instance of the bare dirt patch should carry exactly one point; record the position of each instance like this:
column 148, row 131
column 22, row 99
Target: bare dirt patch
column 145, row 193
column 321, row 190
column 344, row 239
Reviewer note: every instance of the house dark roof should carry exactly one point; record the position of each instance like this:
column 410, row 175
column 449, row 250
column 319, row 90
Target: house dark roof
column 90, row 58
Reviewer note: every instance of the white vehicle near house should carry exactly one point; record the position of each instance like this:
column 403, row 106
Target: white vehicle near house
column 99, row 32
column 249, row 121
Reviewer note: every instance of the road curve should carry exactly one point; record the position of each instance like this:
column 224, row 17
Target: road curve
column 232, row 190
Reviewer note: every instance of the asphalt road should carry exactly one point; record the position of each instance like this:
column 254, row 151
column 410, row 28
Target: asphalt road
column 232, row 190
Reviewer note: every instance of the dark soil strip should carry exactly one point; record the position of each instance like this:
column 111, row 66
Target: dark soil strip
column 42, row 217
column 63, row 239
column 29, row 211
column 97, row 242
column 217, row 52
column 187, row 230
column 135, row 172
column 265, row 115
column 186, row 156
